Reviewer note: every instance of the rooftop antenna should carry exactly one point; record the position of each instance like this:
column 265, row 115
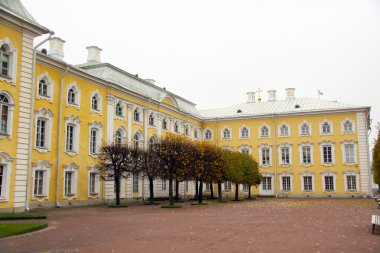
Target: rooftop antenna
column 258, row 91
column 320, row 93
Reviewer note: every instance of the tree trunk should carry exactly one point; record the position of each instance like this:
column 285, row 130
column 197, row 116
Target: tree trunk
column 200, row 192
column 249, row 192
column 220, row 194
column 196, row 189
column 176, row 190
column 236, row 192
column 171, row 202
column 212, row 191
column 151, row 190
column 117, row 184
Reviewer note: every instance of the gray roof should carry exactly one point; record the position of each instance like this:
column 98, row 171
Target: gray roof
column 16, row 8
column 287, row 106
column 131, row 82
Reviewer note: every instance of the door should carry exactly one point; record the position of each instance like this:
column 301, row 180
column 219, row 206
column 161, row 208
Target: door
column 266, row 187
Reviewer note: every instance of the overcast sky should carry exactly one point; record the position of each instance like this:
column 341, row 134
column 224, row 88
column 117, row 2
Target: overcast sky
column 213, row 52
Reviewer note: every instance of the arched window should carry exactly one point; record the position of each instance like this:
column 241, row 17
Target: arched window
column 71, row 96
column 136, row 115
column 120, row 136
column 164, row 124
column 348, row 127
column 119, row 110
column 4, row 113
column 176, row 127
column 8, row 61
column 264, row 131
column 245, row 151
column 43, row 88
column 152, row 141
column 326, row 128
column 226, row 134
column 196, row 133
column 95, row 102
column 244, row 133
column 151, row 120
column 4, row 61
column 208, row 134
column 305, row 129
column 284, row 130
column 137, row 140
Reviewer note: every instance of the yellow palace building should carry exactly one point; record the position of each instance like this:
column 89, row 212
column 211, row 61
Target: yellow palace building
column 55, row 116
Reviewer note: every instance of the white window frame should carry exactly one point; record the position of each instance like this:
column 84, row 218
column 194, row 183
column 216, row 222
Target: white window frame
column 98, row 127
column 196, row 133
column 186, row 130
column 227, row 186
column 11, row 107
column 176, row 127
column 226, row 130
column 165, row 128
column 45, row 167
column 241, row 133
column 137, row 111
column 50, row 87
column 307, row 173
column 93, row 169
column 241, row 148
column 163, row 185
column 286, row 174
column 344, row 153
column 123, row 110
column 328, row 173
column 99, row 101
column 301, row 129
column 327, row 143
column 261, row 148
column 306, row 145
column 74, row 168
column 260, row 131
column 152, row 117
column 123, row 135
column 280, row 148
column 73, row 120
column 6, row 162
column 77, row 92
column 280, row 127
column 140, row 139
column 344, row 126
column 354, row 174
column 12, row 70
column 321, row 125
column 206, row 131
column 47, row 116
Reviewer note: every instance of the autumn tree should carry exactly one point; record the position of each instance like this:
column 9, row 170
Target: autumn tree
column 116, row 162
column 251, row 174
column 376, row 158
column 233, row 162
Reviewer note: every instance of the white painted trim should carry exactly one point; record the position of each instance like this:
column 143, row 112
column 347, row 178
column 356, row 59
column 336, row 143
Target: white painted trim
column 280, row 147
column 343, row 146
column 47, row 115
column 300, row 129
column 73, row 167
column 44, row 166
column 6, row 162
column 11, row 107
column 260, row 131
column 327, row 143
column 50, row 87
column 352, row 123
column 100, row 102
column 328, row 173
column 241, row 137
column 73, row 120
column 311, row 146
column 12, row 51
column 77, row 95
column 351, row 173
column 280, row 135
column 99, row 135
column 261, row 147
column 307, row 173
column 242, row 147
column 321, row 128
column 286, row 174
column 222, row 137
column 205, row 131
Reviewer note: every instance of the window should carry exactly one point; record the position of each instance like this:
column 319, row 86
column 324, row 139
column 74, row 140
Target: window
column 151, row 120
column 306, row 154
column 266, row 183
column 137, row 140
column 136, row 116
column 43, row 88
column 327, row 154
column 226, row 133
column 39, row 182
column 93, row 141
column 286, row 183
column 329, row 183
column 163, row 185
column 284, row 130
column 349, row 153
column 245, row 151
column 186, row 186
column 307, row 183
column 71, row 96
column 187, row 130
column 164, row 124
column 176, row 127
column 152, row 141
column 208, row 187
column 70, row 137
column 244, row 133
column 208, row 134
column 351, row 182
column 119, row 110
column 196, row 133
column 245, row 187
column 348, row 127
column 265, row 156
column 92, row 183
column 4, row 112
column 4, row 61
column 95, row 103
column 326, row 128
column 264, row 131
column 135, row 182
column 285, row 155
column 69, row 179
column 5, row 169
column 2, row 179
column 227, row 186
column 41, row 133
column 119, row 137
column 305, row 129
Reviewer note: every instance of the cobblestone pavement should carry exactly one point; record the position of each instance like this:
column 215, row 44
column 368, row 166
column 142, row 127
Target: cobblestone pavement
column 265, row 225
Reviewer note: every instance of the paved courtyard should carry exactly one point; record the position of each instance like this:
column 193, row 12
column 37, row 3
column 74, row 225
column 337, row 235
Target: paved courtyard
column 265, row 225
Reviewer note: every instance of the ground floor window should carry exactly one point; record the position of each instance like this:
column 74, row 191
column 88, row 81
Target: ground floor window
column 69, row 181
column 186, row 186
column 135, row 182
column 163, row 185
column 267, row 183
column 93, row 181
column 286, row 184
column 245, row 187
column 2, row 177
column 351, row 182
column 329, row 183
column 308, row 183
column 227, row 186
column 208, row 188
column 39, row 182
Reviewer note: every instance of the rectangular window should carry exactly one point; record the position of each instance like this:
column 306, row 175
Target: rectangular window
column 93, row 148
column 41, row 133
column 4, row 63
column 285, row 156
column 163, row 185
column 135, row 182
column 329, row 183
column 39, row 182
column 245, row 187
column 327, row 155
column 286, row 184
column 308, row 183
column 93, row 183
column 186, row 186
column 43, row 89
column 267, row 183
column 265, row 156
column 1, row 179
column 306, row 155
column 4, row 119
column 69, row 182
column 227, row 186
column 349, row 153
column 70, row 138
column 351, row 183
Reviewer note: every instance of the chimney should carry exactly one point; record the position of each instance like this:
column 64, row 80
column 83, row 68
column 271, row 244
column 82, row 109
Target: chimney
column 93, row 54
column 149, row 80
column 290, row 93
column 272, row 95
column 251, row 97
column 56, row 48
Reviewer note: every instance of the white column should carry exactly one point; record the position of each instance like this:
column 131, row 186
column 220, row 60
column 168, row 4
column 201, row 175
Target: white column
column 191, row 132
column 145, row 122
column 363, row 147
column 171, row 124
column 131, row 107
column 159, row 125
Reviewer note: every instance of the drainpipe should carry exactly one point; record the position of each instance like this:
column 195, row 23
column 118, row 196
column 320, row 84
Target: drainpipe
column 30, row 149
column 369, row 162
column 57, row 204
column 275, row 155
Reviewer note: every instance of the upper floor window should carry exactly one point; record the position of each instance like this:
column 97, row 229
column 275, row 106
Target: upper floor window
column 306, row 155
column 265, row 157
column 95, row 137
column 285, row 155
column 349, row 153
column 4, row 113
column 305, row 129
column 71, row 96
column 164, row 124
column 119, row 110
column 43, row 88
column 4, row 61
column 136, row 115
column 208, row 134
column 244, row 133
column 226, row 133
column 348, row 127
column 187, row 130
column 284, row 130
column 41, row 133
column 151, row 120
column 72, row 134
column 120, row 136
column 176, row 127
column 138, row 140
column 327, row 154
column 264, row 131
column 95, row 102
column 326, row 128
column 196, row 133
column 8, row 61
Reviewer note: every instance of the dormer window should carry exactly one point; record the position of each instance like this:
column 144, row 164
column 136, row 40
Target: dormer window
column 151, row 120
column 119, row 110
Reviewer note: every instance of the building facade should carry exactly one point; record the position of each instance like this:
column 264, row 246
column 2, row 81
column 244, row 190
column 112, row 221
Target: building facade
column 55, row 117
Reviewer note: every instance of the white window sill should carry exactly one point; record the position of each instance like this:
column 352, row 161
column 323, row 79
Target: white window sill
column 71, row 153
column 96, row 111
column 8, row 79
column 94, row 155
column 285, row 164
column 73, row 105
column 42, row 149
column 347, row 133
column 120, row 118
column 2, row 199
column 307, row 164
column 3, row 136
column 40, row 195
column 265, row 165
column 350, row 164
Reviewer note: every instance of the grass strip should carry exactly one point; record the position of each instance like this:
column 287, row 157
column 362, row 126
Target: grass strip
column 21, row 216
column 8, row 229
column 169, row 206
column 199, row 204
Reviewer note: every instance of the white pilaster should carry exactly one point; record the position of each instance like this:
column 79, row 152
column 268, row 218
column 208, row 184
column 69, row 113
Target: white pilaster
column 363, row 148
column 159, row 125
column 146, row 118
column 131, row 107
column 110, row 116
